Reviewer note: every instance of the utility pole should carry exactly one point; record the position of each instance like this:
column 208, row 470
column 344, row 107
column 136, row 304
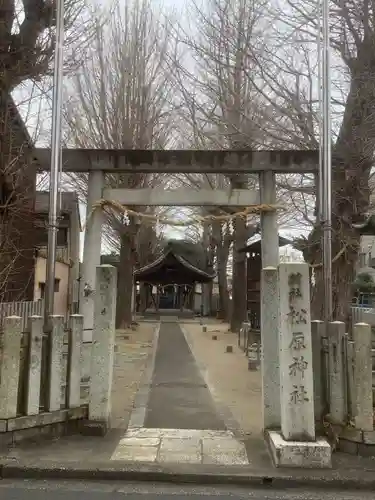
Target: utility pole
column 55, row 165
column 325, row 152
column 327, row 164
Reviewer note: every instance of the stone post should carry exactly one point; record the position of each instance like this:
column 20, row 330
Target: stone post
column 35, row 332
column 74, row 360
column 91, row 252
column 317, row 334
column 132, row 303
column 10, row 367
column 269, row 327
column 296, row 445
column 297, row 390
column 336, row 372
column 369, row 318
column 363, row 415
column 270, row 370
column 351, row 389
column 102, row 356
column 56, row 345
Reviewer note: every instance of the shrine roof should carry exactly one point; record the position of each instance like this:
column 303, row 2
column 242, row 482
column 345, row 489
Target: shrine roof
column 172, row 267
column 255, row 246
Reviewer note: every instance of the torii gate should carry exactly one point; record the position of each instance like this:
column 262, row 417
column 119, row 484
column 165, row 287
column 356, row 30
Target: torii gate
column 98, row 162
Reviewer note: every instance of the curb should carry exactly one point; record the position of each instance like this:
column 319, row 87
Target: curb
column 194, row 474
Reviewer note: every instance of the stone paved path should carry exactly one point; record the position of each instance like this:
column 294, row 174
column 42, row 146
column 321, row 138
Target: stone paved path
column 179, row 397
column 182, row 424
column 190, row 446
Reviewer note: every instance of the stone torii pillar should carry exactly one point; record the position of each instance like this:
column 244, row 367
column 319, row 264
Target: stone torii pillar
column 91, row 252
column 270, row 305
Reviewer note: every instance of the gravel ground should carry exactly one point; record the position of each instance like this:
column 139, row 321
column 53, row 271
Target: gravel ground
column 227, row 374
column 132, row 351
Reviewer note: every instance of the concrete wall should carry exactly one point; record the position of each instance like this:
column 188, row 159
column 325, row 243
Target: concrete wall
column 62, row 274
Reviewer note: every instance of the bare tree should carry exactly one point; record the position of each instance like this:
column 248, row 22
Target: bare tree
column 223, row 108
column 282, row 75
column 292, row 96
column 26, row 44
column 120, row 98
column 27, row 38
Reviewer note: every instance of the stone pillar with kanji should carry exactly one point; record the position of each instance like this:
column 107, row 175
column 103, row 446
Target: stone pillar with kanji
column 296, row 445
column 296, row 374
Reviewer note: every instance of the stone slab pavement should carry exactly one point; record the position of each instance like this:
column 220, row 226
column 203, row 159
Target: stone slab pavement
column 188, row 446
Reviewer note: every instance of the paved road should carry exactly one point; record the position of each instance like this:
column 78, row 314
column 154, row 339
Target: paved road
column 179, row 397
column 48, row 490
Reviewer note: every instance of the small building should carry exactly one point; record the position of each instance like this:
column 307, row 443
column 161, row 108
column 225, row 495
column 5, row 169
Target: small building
column 254, row 268
column 67, row 252
column 170, row 281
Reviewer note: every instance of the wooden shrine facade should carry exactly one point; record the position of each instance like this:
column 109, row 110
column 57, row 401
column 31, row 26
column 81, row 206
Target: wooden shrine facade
column 170, row 282
column 254, row 268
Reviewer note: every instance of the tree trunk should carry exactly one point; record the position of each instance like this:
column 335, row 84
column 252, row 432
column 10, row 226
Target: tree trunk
column 342, row 272
column 143, row 302
column 207, row 290
column 125, row 284
column 345, row 245
column 206, row 297
column 352, row 160
column 222, row 243
column 239, row 286
column 223, row 290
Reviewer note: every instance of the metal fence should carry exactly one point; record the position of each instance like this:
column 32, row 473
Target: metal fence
column 363, row 315
column 23, row 309
column 358, row 315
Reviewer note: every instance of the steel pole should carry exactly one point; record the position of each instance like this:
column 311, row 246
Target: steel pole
column 320, row 192
column 55, row 164
column 327, row 166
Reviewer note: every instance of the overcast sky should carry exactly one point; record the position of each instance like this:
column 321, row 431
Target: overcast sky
column 177, row 6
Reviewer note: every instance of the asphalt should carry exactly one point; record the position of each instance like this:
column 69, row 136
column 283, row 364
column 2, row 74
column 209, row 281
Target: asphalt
column 81, row 490
column 179, row 397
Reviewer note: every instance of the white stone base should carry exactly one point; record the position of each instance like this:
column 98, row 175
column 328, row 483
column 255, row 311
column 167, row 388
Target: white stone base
column 183, row 446
column 306, row 455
